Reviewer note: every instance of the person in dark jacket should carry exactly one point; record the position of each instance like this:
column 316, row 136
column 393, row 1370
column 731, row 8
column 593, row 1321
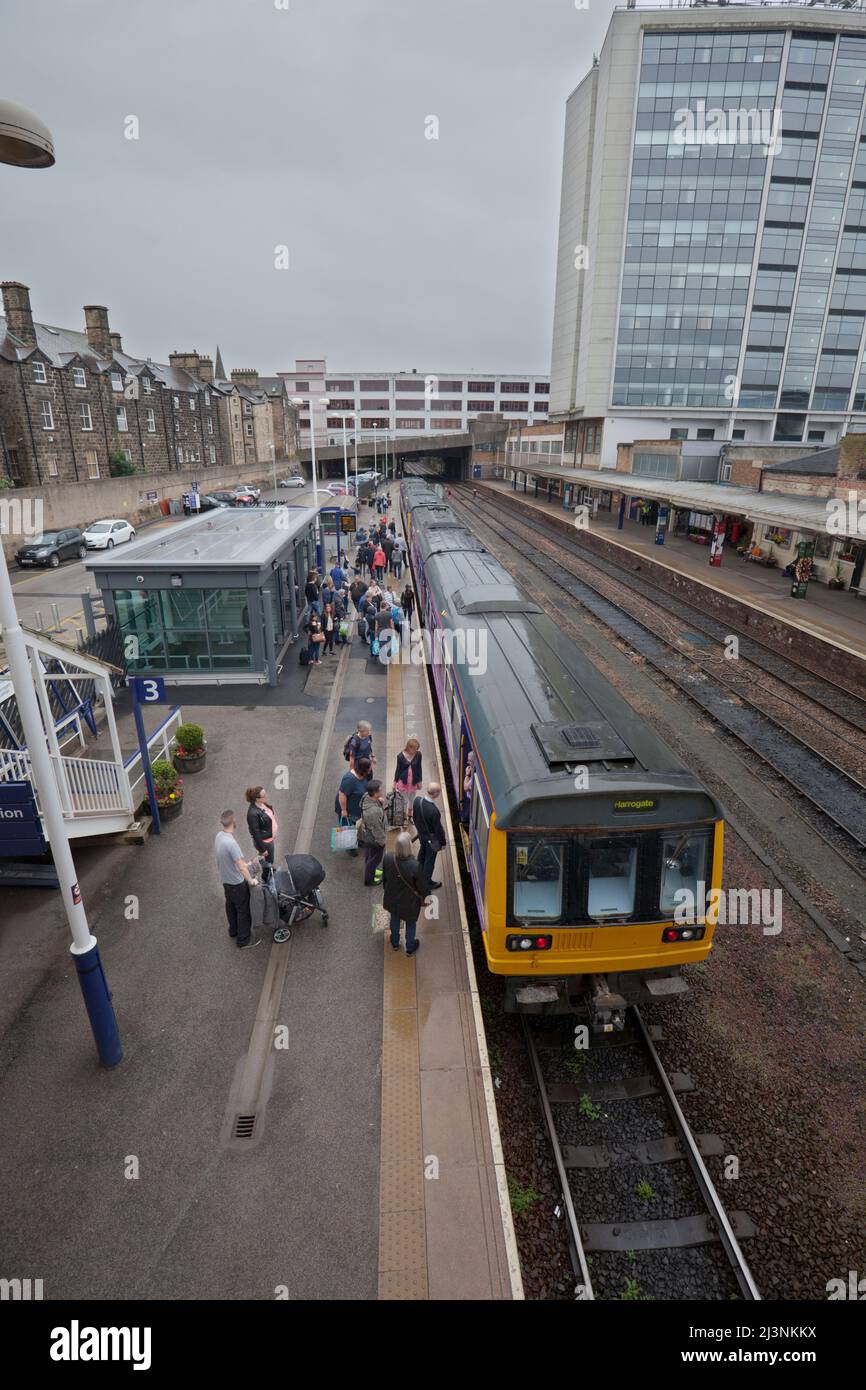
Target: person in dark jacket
column 316, row 637
column 261, row 821
column 405, row 892
column 428, row 823
column 407, row 603
column 407, row 779
column 312, row 592
column 388, row 547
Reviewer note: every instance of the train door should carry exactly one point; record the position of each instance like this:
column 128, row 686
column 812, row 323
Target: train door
column 479, row 831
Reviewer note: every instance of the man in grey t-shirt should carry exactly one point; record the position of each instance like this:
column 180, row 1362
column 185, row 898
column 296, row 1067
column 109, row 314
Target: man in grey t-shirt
column 236, row 880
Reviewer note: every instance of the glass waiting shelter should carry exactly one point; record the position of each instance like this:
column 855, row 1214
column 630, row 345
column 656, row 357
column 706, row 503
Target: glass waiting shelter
column 216, row 599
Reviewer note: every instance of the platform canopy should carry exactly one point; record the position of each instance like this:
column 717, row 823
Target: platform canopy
column 773, row 508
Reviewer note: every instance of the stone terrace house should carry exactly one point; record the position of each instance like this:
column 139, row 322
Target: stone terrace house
column 71, row 399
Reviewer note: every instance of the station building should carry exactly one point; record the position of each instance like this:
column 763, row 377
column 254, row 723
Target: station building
column 817, row 497
column 216, row 600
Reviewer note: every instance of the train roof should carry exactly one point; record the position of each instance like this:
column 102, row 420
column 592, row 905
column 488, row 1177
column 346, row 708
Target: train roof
column 539, row 709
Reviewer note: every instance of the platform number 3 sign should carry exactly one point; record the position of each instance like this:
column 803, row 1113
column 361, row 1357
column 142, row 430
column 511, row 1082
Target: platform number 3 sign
column 149, row 690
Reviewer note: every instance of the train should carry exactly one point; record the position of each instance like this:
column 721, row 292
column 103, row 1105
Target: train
column 583, row 833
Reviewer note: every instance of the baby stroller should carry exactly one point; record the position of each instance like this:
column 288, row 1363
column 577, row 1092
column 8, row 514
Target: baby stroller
column 296, row 889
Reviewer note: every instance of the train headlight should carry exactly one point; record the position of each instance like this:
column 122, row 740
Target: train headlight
column 529, row 943
column 682, row 934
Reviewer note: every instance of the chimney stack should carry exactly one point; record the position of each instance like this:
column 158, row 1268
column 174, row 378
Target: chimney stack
column 16, row 307
column 116, row 344
column 245, row 376
column 205, row 369
column 96, row 327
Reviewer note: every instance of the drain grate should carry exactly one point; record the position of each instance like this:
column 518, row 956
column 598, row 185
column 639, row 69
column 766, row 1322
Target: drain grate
column 244, row 1126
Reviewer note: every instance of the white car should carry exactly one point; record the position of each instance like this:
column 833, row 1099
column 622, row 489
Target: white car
column 105, row 535
column 294, row 481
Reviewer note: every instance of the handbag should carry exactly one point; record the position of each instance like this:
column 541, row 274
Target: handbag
column 344, row 837
column 374, row 647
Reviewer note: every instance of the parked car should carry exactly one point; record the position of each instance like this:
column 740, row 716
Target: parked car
column 294, row 481
column 243, row 497
column 226, row 499
column 105, row 535
column 208, row 501
column 52, row 547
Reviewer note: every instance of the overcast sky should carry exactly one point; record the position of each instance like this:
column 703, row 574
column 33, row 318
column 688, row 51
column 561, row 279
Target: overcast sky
column 305, row 127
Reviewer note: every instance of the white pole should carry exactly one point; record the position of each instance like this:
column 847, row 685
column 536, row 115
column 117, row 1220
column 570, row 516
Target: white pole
column 95, row 990
column 274, row 463
column 345, row 457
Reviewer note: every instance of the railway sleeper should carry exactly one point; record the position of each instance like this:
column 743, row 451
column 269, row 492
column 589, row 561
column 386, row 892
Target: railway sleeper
column 669, row 1234
column 667, row 1150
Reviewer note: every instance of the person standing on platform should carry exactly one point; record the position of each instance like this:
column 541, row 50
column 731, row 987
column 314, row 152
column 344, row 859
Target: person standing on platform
column 316, row 638
column 236, row 879
column 388, row 550
column 338, row 576
column 408, row 776
column 378, row 564
column 311, row 592
column 350, row 794
column 329, row 628
column 428, row 823
column 359, row 745
column 407, row 602
column 397, row 558
column 404, row 893
column 261, row 822
column 375, row 832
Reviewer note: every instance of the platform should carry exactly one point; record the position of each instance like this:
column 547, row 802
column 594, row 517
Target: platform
column 445, row 1221
column 838, row 618
column 379, row 1067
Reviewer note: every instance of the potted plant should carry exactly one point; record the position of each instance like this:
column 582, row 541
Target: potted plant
column 836, row 582
column 189, row 748
column 168, row 787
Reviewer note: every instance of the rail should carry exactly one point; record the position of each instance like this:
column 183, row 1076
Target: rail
column 160, row 740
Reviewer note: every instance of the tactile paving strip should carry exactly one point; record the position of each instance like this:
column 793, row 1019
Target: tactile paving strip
column 402, row 1221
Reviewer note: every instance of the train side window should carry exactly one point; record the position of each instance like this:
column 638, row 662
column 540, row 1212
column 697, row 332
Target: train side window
column 480, row 822
column 684, row 866
column 538, row 878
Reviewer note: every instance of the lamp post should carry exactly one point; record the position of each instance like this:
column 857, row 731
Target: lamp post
column 299, row 400
column 26, row 143
column 273, row 448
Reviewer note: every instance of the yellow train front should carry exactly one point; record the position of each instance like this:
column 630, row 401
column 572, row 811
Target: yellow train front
column 591, row 846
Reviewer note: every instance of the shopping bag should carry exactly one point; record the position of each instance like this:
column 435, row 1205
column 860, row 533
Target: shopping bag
column 344, row 837
column 344, row 628
column 374, row 647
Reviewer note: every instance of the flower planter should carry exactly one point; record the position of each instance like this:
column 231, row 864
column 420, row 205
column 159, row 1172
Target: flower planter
column 189, row 762
column 168, row 810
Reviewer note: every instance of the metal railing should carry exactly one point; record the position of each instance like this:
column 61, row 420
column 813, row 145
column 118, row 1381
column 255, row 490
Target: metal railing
column 85, row 786
column 158, row 746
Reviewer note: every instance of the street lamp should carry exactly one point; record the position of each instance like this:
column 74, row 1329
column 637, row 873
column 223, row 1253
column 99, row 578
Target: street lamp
column 26, row 143
column 273, row 448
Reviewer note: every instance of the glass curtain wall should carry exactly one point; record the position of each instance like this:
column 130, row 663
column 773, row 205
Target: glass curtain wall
column 190, row 630
column 693, row 228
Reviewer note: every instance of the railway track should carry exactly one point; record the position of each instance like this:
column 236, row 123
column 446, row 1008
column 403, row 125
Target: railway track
column 835, row 794
column 619, row 1096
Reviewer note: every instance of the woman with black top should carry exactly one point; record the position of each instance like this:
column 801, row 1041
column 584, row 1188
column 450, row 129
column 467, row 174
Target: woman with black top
column 407, row 780
column 261, row 822
column 407, row 603
column 316, row 637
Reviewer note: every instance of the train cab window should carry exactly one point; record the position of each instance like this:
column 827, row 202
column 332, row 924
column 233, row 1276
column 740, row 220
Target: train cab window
column 611, row 877
column 538, row 881
column 684, row 866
